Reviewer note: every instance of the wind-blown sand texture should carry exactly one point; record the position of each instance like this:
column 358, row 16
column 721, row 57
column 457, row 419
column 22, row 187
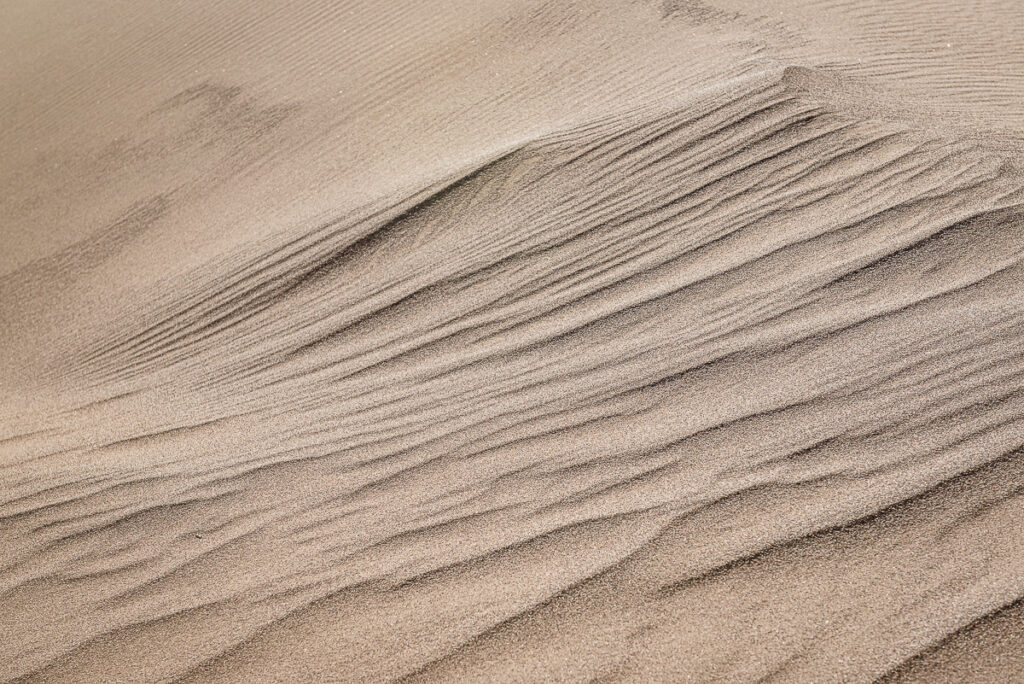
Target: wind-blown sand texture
column 532, row 340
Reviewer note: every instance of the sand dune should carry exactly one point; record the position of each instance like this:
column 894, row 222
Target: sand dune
column 535, row 341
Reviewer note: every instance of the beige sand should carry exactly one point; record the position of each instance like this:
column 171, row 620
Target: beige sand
column 544, row 340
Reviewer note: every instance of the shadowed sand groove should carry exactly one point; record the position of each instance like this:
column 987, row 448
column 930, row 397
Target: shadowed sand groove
column 535, row 341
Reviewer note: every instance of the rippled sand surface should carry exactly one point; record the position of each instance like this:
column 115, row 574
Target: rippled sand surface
column 527, row 341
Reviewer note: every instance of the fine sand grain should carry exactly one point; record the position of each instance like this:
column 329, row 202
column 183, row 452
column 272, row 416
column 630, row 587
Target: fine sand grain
column 531, row 340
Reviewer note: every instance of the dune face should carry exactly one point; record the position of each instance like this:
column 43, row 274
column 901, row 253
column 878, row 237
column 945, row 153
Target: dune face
column 527, row 341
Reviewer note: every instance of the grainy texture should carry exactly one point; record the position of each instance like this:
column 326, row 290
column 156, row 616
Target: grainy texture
column 546, row 340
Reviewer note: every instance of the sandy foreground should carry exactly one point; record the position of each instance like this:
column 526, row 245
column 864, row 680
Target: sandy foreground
column 512, row 340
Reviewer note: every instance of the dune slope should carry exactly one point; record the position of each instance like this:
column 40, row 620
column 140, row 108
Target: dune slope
column 542, row 341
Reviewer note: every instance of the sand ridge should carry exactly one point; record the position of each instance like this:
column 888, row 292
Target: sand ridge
column 535, row 341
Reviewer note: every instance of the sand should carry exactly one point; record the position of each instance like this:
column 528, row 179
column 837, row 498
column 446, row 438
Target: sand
column 545, row 340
